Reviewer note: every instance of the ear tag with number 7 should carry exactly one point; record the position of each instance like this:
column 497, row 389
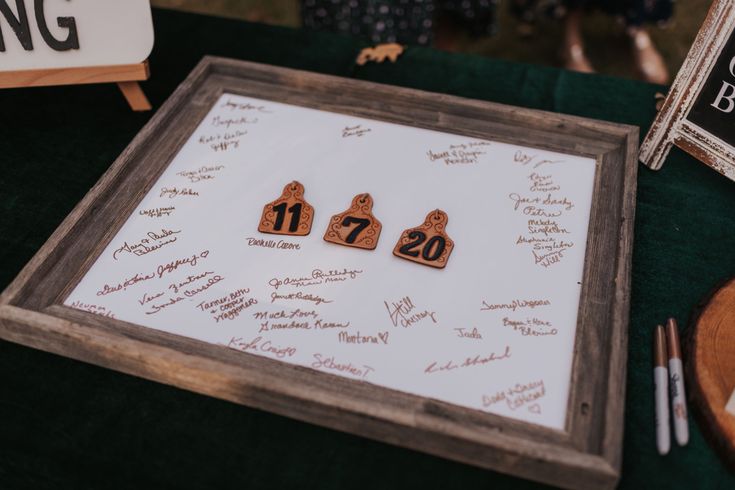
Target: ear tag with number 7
column 290, row 214
column 427, row 244
column 356, row 227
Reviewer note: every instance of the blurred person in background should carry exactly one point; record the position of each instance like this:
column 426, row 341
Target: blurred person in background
column 634, row 14
column 435, row 22
column 423, row 22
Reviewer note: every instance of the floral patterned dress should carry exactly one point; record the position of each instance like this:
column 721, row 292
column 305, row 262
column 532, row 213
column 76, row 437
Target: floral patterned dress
column 633, row 12
column 401, row 21
column 412, row 21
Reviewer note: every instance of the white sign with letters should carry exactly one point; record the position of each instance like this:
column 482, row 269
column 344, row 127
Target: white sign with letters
column 41, row 34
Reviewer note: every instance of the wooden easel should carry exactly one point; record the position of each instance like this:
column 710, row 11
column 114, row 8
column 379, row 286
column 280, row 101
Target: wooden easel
column 126, row 77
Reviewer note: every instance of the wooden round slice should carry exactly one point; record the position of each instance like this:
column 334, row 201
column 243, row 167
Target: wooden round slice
column 710, row 370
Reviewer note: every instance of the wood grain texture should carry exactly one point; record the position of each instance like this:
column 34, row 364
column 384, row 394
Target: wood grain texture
column 135, row 96
column 671, row 125
column 74, row 76
column 126, row 77
column 587, row 454
column 710, row 369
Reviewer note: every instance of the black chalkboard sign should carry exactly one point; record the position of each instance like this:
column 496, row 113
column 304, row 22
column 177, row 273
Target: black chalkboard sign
column 714, row 108
column 698, row 114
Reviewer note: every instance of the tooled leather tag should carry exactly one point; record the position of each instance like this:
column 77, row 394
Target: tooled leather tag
column 427, row 244
column 290, row 214
column 356, row 227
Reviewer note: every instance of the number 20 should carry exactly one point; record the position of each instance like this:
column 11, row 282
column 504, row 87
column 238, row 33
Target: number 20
column 431, row 251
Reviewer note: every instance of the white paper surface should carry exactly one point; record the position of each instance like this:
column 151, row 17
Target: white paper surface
column 493, row 331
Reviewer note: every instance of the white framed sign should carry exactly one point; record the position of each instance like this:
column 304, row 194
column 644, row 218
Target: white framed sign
column 45, row 34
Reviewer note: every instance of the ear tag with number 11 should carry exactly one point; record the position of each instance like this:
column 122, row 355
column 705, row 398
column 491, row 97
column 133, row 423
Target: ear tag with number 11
column 427, row 244
column 356, row 227
column 290, row 214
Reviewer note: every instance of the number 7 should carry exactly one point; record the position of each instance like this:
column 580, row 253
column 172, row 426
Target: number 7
column 361, row 223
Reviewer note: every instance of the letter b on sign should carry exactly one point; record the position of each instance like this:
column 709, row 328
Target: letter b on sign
column 724, row 101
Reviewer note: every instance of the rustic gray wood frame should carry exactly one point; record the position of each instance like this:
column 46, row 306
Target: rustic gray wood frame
column 671, row 125
column 585, row 455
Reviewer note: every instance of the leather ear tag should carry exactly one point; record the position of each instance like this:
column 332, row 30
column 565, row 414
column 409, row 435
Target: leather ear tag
column 427, row 244
column 356, row 227
column 290, row 214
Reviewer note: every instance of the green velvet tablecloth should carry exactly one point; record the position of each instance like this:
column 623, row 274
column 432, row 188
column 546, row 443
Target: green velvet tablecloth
column 69, row 425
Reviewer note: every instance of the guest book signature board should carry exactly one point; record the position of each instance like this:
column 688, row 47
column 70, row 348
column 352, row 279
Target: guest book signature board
column 509, row 353
column 493, row 331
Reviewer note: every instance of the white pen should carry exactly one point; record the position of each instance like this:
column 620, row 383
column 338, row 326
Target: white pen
column 676, row 384
column 661, row 380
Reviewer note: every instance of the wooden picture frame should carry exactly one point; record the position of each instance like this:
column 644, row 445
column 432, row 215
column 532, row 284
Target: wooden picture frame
column 687, row 118
column 585, row 455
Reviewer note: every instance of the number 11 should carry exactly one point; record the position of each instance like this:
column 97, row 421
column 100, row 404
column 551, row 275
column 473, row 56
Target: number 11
column 295, row 211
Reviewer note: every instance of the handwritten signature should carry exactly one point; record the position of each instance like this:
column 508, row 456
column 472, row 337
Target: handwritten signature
column 154, row 242
column 478, row 360
column 403, row 312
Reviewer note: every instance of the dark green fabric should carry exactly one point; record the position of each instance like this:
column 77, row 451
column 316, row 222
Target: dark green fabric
column 68, row 425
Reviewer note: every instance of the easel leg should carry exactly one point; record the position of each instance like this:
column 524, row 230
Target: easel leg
column 134, row 95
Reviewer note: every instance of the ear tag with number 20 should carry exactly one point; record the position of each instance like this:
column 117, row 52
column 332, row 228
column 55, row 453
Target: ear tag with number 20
column 290, row 214
column 356, row 227
column 427, row 244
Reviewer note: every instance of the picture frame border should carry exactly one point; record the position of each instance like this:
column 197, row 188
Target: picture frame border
column 586, row 454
